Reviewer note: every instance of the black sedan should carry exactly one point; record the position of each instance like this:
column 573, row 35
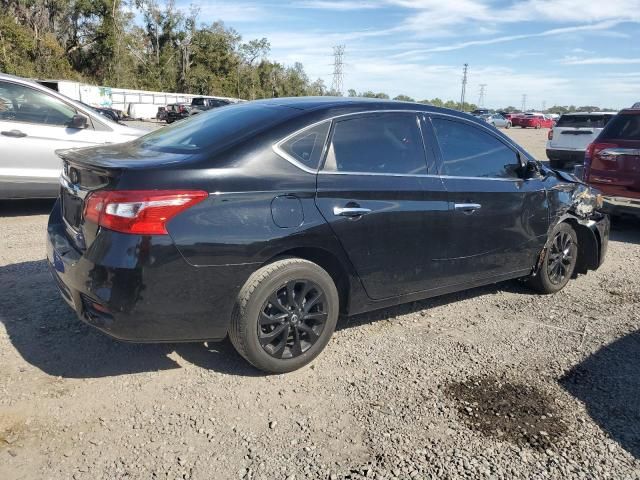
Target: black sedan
column 266, row 220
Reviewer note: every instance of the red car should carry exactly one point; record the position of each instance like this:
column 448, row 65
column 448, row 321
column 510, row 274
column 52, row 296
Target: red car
column 532, row 120
column 612, row 163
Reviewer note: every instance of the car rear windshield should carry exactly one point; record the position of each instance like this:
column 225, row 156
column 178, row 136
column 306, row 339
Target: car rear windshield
column 623, row 127
column 215, row 129
column 583, row 121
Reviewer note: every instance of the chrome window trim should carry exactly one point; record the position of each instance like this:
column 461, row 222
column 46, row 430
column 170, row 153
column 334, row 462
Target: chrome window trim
column 276, row 147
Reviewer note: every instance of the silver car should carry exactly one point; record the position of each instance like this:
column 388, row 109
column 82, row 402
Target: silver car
column 35, row 121
column 496, row 120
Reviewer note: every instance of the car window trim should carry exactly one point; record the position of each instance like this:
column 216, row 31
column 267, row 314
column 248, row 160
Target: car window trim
column 277, row 147
column 72, row 107
column 440, row 166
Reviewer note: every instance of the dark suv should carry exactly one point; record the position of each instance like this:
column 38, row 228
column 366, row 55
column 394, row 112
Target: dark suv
column 612, row 163
column 177, row 111
column 201, row 104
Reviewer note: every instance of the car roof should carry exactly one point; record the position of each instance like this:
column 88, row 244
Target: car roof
column 358, row 104
column 588, row 113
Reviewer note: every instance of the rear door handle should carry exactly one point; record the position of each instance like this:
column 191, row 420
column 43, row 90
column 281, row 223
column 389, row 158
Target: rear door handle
column 13, row 133
column 350, row 211
column 467, row 208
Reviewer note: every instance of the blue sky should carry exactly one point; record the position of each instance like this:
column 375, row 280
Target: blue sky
column 581, row 52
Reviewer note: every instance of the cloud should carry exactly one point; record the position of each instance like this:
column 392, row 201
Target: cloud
column 600, row 61
column 336, row 5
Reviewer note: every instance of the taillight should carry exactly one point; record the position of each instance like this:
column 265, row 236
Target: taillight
column 592, row 151
column 550, row 135
column 142, row 212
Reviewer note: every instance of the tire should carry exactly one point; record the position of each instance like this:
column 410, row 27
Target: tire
column 508, row 125
column 559, row 261
column 538, row 126
column 264, row 306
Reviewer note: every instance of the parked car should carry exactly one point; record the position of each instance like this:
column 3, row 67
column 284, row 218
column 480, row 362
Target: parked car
column 568, row 139
column 480, row 111
column 496, row 120
column 161, row 116
column 264, row 220
column 177, row 111
column 202, row 104
column 34, row 122
column 612, row 163
column 533, row 121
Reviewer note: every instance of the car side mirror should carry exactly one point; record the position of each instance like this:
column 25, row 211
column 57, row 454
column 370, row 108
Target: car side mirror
column 79, row 121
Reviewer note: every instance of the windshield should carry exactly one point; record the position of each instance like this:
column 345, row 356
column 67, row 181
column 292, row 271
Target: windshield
column 216, row 129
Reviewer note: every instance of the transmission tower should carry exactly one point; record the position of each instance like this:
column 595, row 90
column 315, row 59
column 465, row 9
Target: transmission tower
column 544, row 105
column 483, row 87
column 524, row 102
column 338, row 75
column 464, row 85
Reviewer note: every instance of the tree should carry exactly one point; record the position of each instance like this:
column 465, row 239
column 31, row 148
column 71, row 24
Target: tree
column 404, row 98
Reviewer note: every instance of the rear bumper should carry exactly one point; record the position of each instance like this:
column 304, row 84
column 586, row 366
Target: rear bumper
column 566, row 157
column 622, row 206
column 140, row 289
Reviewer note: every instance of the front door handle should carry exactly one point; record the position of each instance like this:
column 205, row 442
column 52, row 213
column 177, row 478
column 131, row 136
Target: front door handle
column 350, row 211
column 467, row 208
column 13, row 133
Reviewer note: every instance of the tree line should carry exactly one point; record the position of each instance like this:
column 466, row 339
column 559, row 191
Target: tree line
column 152, row 45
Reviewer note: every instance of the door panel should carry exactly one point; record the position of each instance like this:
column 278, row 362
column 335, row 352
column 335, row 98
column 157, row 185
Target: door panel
column 396, row 247
column 498, row 220
column 388, row 213
column 505, row 234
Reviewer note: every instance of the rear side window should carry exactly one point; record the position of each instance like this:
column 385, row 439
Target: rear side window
column 197, row 101
column 467, row 151
column 305, row 147
column 623, row 127
column 386, row 143
column 583, row 121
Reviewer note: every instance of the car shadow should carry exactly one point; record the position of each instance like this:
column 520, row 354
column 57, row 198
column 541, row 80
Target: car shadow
column 21, row 208
column 625, row 229
column 48, row 335
column 512, row 286
column 608, row 383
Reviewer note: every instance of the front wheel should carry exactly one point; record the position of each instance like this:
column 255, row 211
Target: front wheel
column 559, row 261
column 285, row 315
column 508, row 125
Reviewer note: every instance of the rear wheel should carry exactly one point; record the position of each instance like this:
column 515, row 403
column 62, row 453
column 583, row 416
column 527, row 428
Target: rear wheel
column 285, row 315
column 559, row 261
column 538, row 126
column 508, row 125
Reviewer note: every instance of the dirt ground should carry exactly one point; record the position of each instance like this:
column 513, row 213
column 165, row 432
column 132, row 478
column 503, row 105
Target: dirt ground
column 496, row 382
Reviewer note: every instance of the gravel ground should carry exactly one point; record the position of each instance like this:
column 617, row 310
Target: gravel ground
column 494, row 383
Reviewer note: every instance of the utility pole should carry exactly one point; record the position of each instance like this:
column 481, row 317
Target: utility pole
column 483, row 87
column 464, row 85
column 338, row 75
column 524, row 102
column 544, row 106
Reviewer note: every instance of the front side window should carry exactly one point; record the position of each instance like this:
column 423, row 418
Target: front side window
column 24, row 104
column 306, row 146
column 387, row 143
column 467, row 151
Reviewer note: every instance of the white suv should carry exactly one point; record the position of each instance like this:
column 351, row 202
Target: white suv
column 571, row 135
column 35, row 121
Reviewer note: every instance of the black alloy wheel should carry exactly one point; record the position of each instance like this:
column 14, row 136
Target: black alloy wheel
column 292, row 319
column 560, row 258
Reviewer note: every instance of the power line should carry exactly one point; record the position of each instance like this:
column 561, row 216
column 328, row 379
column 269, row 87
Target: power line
column 338, row 74
column 524, row 102
column 483, row 87
column 464, row 85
